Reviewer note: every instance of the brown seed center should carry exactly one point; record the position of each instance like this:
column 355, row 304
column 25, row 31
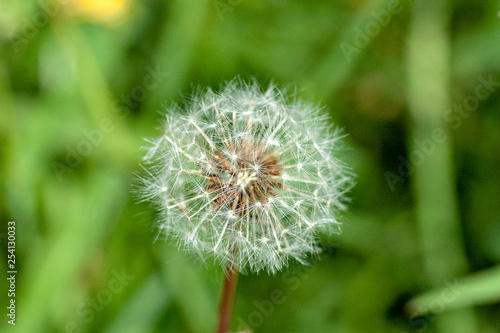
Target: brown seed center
column 243, row 176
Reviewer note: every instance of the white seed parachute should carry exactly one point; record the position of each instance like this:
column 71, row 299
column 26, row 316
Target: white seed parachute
column 247, row 177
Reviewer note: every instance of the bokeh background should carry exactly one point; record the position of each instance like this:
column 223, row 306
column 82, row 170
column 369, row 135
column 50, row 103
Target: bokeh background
column 415, row 84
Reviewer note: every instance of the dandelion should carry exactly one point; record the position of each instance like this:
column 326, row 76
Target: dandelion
column 247, row 177
column 100, row 10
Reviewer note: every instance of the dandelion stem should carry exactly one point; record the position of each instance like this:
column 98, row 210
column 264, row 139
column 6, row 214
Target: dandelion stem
column 227, row 299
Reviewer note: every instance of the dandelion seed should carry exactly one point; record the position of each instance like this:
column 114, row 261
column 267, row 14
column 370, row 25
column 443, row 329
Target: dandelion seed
column 235, row 201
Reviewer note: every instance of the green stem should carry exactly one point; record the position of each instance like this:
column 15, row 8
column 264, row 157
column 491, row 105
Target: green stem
column 431, row 154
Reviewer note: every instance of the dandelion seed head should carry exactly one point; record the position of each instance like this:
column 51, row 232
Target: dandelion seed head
column 247, row 177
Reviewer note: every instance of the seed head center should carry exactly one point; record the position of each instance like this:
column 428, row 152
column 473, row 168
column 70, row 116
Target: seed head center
column 249, row 180
column 244, row 178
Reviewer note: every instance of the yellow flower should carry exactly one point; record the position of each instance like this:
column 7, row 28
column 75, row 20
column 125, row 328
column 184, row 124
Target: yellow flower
column 101, row 10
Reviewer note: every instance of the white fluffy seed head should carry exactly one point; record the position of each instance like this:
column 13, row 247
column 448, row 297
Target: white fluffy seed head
column 246, row 177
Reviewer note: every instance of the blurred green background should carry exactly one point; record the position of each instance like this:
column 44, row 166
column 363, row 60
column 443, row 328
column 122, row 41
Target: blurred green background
column 414, row 83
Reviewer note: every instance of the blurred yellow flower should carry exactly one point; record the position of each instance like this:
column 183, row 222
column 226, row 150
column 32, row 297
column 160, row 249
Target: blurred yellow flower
column 101, row 10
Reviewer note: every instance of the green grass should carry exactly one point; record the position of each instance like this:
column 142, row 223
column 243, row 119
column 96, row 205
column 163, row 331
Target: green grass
column 427, row 243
